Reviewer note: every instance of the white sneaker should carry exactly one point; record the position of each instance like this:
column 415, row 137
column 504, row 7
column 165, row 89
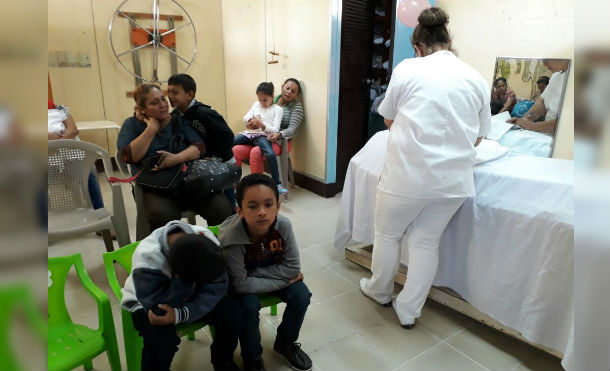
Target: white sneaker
column 363, row 289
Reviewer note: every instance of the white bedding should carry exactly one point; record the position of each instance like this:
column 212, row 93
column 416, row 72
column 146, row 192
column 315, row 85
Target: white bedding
column 508, row 251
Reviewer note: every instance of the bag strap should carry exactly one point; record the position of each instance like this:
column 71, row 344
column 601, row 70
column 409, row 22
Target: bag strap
column 113, row 179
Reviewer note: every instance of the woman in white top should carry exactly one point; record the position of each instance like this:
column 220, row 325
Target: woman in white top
column 546, row 106
column 437, row 109
column 263, row 119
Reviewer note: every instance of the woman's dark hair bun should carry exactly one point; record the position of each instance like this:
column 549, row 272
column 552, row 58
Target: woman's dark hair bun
column 433, row 17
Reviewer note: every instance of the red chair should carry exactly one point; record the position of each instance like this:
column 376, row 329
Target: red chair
column 254, row 156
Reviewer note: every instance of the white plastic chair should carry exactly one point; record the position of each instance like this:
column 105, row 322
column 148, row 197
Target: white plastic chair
column 142, row 225
column 70, row 210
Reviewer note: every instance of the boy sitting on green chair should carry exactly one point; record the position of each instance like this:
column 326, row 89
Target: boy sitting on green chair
column 179, row 276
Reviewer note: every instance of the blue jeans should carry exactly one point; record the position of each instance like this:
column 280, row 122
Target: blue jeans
column 161, row 342
column 95, row 192
column 267, row 150
column 296, row 297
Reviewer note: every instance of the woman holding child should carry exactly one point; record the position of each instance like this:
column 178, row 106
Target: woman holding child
column 292, row 118
column 153, row 131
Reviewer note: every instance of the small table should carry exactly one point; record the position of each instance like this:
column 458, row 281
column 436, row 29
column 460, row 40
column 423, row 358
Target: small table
column 102, row 133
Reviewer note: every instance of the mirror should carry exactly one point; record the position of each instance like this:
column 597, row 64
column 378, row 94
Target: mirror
column 526, row 99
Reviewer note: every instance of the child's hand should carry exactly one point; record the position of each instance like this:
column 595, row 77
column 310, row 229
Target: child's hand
column 165, row 320
column 299, row 277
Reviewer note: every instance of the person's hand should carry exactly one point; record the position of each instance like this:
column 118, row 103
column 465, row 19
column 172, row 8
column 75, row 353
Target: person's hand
column 258, row 121
column 53, row 136
column 152, row 123
column 299, row 277
column 166, row 160
column 274, row 137
column 524, row 123
column 169, row 318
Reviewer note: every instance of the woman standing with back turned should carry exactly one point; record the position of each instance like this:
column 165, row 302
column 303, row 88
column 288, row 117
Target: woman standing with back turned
column 437, row 109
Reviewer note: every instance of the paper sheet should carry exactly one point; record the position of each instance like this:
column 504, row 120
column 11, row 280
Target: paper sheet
column 499, row 126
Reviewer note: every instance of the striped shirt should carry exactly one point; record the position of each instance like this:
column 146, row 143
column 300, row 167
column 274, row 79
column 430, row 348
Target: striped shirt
column 293, row 118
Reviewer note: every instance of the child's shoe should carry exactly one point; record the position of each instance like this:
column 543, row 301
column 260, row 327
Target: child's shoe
column 299, row 360
column 282, row 190
column 255, row 365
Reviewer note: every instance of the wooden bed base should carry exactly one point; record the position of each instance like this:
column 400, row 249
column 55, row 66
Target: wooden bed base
column 361, row 254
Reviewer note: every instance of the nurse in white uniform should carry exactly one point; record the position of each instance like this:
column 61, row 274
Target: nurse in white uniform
column 437, row 109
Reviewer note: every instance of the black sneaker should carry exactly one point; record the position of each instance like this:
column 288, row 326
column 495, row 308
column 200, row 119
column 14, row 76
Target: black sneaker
column 299, row 360
column 226, row 366
column 256, row 365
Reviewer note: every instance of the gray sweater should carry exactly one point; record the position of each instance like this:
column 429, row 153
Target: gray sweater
column 262, row 267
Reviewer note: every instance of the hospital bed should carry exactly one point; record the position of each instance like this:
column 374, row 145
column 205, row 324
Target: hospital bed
column 506, row 257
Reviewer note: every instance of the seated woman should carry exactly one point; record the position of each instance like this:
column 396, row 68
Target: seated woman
column 291, row 120
column 502, row 98
column 154, row 131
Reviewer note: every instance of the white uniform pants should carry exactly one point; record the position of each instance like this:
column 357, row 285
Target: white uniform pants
column 422, row 222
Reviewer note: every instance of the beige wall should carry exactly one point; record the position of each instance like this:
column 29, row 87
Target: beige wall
column 485, row 29
column 300, row 32
column 85, row 28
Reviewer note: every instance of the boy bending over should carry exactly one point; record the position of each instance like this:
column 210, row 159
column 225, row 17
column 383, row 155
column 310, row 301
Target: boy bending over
column 179, row 276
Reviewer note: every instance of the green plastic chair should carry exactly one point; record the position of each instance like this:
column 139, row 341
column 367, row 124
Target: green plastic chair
column 132, row 339
column 71, row 345
column 17, row 299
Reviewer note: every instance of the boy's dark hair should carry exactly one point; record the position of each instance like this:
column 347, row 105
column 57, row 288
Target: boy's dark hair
column 543, row 79
column 254, row 179
column 265, row 88
column 195, row 258
column 184, row 80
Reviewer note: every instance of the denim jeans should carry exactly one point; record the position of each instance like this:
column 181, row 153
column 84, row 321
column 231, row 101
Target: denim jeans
column 267, row 149
column 161, row 342
column 95, row 192
column 296, row 297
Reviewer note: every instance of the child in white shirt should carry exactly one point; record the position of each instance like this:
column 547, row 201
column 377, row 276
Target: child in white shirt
column 262, row 119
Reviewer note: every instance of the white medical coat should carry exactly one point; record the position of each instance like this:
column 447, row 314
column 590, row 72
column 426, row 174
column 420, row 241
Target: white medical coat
column 440, row 105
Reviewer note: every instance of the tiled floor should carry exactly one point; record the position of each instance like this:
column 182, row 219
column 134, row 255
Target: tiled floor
column 343, row 330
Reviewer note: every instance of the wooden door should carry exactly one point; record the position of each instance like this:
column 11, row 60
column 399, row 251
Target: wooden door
column 355, row 70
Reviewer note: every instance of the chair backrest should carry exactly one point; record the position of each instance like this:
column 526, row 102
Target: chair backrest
column 70, row 162
column 58, row 272
column 123, row 257
column 122, row 165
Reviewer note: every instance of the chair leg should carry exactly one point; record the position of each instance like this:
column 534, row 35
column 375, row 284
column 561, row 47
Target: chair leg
column 274, row 310
column 133, row 344
column 107, row 240
column 191, row 336
column 88, row 365
column 112, row 351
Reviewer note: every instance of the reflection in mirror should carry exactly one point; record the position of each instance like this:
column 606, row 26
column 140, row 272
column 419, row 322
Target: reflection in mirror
column 526, row 99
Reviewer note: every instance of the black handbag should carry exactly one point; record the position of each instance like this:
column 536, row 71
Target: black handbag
column 164, row 181
column 211, row 174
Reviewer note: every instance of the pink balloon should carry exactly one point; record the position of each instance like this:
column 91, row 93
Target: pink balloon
column 409, row 10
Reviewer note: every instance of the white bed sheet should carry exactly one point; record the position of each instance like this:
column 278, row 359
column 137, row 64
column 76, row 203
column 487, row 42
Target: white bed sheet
column 508, row 251
column 528, row 142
